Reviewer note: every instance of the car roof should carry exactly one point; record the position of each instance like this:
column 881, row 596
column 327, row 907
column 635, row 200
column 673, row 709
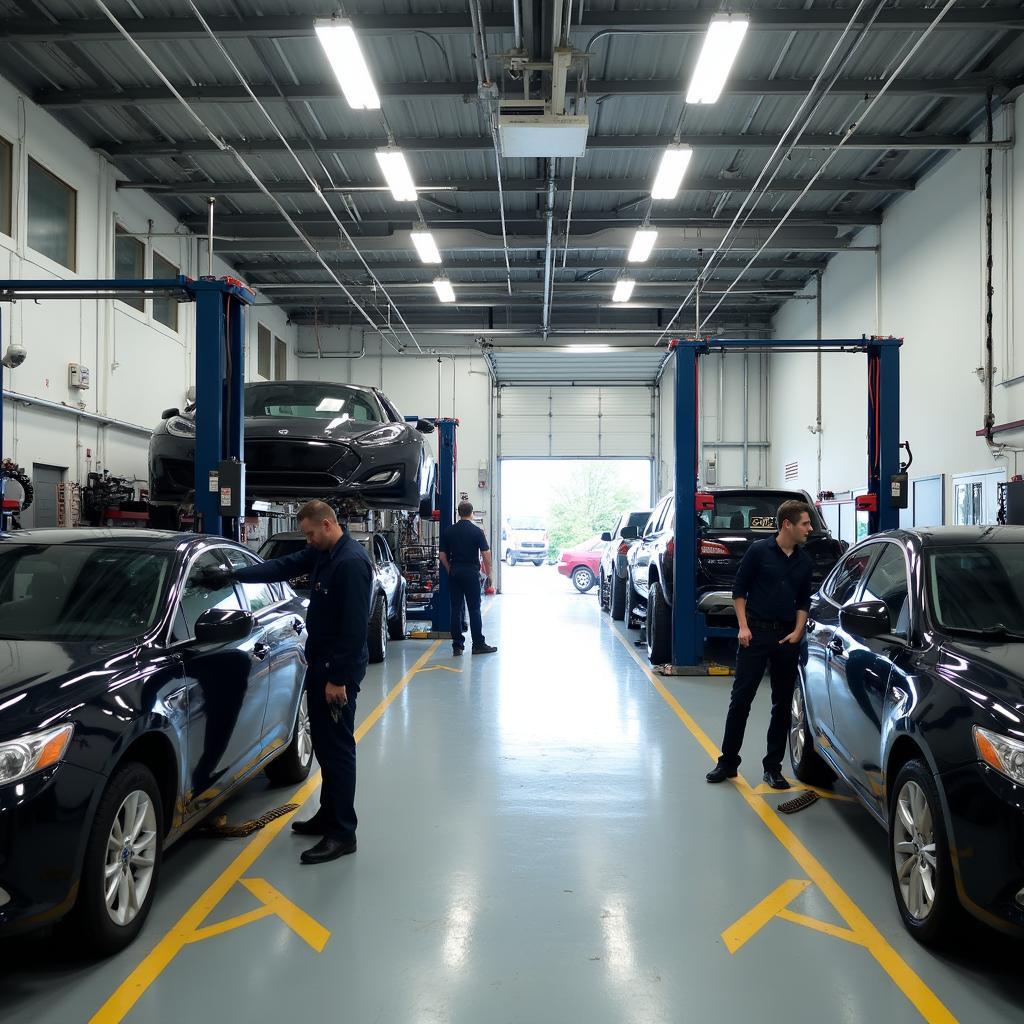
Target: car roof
column 941, row 536
column 160, row 539
column 313, row 383
column 299, row 535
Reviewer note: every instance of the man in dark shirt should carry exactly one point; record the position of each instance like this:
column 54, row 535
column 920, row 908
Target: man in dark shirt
column 462, row 546
column 772, row 595
column 337, row 619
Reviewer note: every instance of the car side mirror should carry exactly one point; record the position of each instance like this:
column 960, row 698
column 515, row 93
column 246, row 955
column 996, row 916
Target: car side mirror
column 866, row 619
column 425, row 426
column 631, row 533
column 223, row 625
column 606, row 537
column 168, row 413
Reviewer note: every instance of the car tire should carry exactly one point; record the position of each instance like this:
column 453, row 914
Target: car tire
column 808, row 765
column 130, row 803
column 582, row 579
column 511, row 558
column 632, row 597
column 397, row 622
column 915, row 805
column 429, row 503
column 659, row 627
column 617, row 598
column 292, row 766
column 602, row 592
column 538, row 564
column 377, row 632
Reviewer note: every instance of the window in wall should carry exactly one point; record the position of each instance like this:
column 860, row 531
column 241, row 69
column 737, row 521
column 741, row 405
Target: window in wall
column 52, row 210
column 263, row 353
column 280, row 360
column 165, row 310
column 6, row 195
column 129, row 263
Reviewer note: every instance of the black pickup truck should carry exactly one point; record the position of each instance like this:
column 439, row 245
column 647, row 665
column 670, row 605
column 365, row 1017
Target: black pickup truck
column 739, row 517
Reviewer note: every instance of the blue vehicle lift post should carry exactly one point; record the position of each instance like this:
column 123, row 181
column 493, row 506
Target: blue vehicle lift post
column 689, row 628
column 220, row 368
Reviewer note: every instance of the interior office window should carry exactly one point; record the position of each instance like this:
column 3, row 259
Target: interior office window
column 264, row 353
column 280, row 360
column 6, row 194
column 52, row 210
column 129, row 263
column 165, row 310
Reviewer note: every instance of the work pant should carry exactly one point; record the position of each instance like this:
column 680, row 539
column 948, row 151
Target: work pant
column 464, row 588
column 751, row 662
column 334, row 744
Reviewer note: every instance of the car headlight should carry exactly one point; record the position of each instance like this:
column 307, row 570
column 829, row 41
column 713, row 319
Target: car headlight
column 385, row 435
column 1001, row 753
column 181, row 426
column 29, row 754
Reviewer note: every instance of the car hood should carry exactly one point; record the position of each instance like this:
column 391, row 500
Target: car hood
column 304, row 428
column 997, row 668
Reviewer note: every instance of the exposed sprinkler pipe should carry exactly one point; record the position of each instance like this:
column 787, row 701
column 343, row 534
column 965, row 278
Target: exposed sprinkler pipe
column 550, row 219
column 817, row 421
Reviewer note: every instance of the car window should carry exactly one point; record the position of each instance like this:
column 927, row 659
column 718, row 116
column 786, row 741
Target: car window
column 390, row 409
column 888, row 583
column 257, row 595
column 654, row 523
column 637, row 519
column 197, row 597
column 845, row 579
column 380, row 547
column 326, row 401
column 977, row 586
column 736, row 510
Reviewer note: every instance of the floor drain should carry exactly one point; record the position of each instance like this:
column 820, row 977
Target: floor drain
column 799, row 803
column 220, row 829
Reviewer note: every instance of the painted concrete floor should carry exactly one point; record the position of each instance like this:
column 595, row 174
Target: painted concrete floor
column 537, row 844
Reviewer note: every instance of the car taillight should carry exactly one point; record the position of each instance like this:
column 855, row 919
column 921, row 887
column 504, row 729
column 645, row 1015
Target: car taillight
column 623, row 548
column 670, row 547
column 709, row 549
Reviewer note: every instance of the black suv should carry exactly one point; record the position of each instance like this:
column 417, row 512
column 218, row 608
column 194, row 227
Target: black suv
column 738, row 517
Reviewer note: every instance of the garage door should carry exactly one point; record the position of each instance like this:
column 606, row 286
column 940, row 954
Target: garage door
column 575, row 422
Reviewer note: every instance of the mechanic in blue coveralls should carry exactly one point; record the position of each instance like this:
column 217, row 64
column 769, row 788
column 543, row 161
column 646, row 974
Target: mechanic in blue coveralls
column 462, row 547
column 341, row 578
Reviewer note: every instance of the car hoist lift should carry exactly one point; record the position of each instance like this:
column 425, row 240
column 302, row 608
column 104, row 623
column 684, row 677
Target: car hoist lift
column 220, row 373
column 887, row 484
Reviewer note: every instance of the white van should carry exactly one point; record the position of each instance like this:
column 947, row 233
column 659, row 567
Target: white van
column 524, row 539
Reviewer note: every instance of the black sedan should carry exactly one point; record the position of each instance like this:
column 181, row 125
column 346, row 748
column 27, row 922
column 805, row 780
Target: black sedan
column 306, row 439
column 913, row 692
column 133, row 701
column 388, row 601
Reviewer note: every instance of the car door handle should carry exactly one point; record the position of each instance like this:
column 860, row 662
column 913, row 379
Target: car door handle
column 835, row 645
column 260, row 650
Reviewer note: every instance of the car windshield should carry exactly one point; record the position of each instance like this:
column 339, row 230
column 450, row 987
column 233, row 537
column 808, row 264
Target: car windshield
column 977, row 587
column 69, row 592
column 313, row 402
column 638, row 520
column 737, row 510
column 275, row 547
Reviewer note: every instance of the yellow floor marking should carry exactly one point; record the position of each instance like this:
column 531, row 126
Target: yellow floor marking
column 737, row 935
column 181, row 934
column 440, row 668
column 920, row 995
column 763, row 789
column 820, row 926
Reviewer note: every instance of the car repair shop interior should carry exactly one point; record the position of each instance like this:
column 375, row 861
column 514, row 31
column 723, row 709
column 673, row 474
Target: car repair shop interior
column 401, row 256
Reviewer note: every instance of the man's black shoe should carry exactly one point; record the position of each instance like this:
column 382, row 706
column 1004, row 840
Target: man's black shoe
column 484, row 649
column 720, row 773
column 457, row 652
column 329, row 849
column 309, row 827
column 776, row 779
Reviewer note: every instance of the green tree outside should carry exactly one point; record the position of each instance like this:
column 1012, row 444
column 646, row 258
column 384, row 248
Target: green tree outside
column 587, row 503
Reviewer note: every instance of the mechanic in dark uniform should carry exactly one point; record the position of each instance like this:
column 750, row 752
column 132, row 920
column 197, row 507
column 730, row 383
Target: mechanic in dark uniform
column 772, row 595
column 462, row 546
column 341, row 577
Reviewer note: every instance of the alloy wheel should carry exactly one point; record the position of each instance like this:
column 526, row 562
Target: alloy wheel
column 913, row 843
column 798, row 724
column 131, row 858
column 303, row 732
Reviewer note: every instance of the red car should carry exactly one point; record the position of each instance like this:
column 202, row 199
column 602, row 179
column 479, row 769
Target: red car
column 582, row 563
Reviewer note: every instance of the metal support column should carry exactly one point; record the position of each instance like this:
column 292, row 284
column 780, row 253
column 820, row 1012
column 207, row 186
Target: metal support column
column 446, row 467
column 883, row 430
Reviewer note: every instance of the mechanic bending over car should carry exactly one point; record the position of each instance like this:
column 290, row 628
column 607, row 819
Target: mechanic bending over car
column 341, row 578
column 772, row 595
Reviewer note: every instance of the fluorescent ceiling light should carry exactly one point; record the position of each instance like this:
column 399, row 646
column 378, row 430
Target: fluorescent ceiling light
column 674, row 162
column 586, row 348
column 643, row 243
column 338, row 38
column 444, row 289
column 425, row 246
column 397, row 174
column 721, row 44
column 623, row 289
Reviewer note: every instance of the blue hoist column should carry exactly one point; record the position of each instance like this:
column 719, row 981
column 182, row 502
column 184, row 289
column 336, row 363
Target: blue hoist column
column 447, row 458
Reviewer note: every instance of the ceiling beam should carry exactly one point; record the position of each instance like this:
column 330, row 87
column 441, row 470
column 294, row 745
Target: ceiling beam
column 56, row 99
column 466, row 144
column 38, row 30
column 529, row 185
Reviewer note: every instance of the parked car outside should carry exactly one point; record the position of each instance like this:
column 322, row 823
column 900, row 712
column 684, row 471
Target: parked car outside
column 582, row 563
column 739, row 517
column 303, row 440
column 134, row 701
column 614, row 568
column 524, row 539
column 388, row 602
column 913, row 693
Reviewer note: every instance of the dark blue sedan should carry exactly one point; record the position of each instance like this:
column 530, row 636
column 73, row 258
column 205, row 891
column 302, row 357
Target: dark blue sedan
column 913, row 692
column 133, row 700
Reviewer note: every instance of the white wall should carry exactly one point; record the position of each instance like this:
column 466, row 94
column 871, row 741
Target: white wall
column 931, row 295
column 138, row 366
